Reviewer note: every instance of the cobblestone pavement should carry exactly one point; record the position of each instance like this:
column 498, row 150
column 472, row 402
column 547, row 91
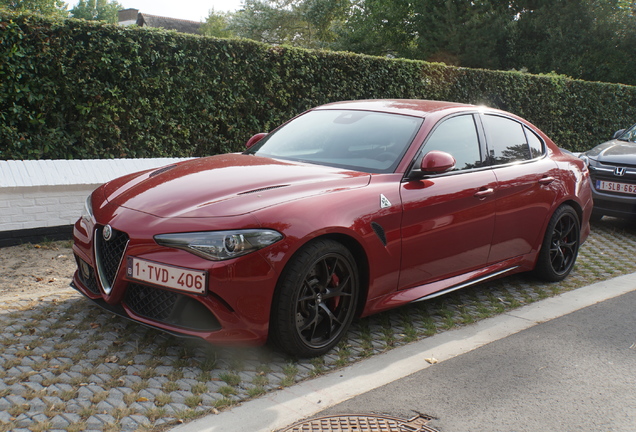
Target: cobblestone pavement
column 69, row 366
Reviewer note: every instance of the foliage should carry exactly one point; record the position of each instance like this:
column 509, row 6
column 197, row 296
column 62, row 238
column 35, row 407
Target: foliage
column 84, row 89
column 378, row 27
column 270, row 22
column 291, row 22
column 217, row 25
column 55, row 8
column 97, row 10
column 586, row 39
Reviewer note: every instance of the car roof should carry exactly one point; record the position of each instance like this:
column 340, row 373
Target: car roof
column 413, row 107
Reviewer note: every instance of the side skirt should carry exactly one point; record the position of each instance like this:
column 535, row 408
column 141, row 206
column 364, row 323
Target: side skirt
column 445, row 286
column 466, row 284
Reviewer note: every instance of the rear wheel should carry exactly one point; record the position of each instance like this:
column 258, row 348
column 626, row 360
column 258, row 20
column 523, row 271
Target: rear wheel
column 315, row 299
column 560, row 245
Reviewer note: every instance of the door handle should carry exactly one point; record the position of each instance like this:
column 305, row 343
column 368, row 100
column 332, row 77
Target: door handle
column 546, row 180
column 484, row 192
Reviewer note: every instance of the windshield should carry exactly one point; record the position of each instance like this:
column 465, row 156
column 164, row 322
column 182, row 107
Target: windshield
column 628, row 135
column 358, row 140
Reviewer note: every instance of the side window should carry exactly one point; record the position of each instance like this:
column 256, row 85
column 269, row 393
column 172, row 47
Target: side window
column 506, row 140
column 457, row 136
column 535, row 143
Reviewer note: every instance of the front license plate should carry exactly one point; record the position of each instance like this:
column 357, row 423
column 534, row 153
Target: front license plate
column 625, row 188
column 178, row 278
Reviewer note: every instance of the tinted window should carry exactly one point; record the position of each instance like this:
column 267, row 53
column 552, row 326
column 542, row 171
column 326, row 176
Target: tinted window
column 535, row 143
column 457, row 136
column 360, row 140
column 506, row 140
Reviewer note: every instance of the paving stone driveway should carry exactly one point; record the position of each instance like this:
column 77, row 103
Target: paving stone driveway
column 69, row 366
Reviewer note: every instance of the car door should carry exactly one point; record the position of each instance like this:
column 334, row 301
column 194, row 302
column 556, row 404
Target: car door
column 448, row 219
column 527, row 188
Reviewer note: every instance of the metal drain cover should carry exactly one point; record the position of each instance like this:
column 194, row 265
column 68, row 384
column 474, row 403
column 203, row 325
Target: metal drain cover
column 362, row 423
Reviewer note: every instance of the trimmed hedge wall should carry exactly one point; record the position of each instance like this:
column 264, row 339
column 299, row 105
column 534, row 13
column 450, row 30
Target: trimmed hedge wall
column 75, row 89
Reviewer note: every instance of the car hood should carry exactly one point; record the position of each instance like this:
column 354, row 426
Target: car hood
column 226, row 185
column 614, row 152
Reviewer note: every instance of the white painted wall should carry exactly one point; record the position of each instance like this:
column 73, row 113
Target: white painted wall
column 50, row 193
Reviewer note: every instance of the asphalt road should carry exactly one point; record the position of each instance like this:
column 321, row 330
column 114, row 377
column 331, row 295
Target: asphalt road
column 573, row 373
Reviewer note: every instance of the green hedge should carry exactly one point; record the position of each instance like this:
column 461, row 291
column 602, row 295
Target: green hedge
column 74, row 89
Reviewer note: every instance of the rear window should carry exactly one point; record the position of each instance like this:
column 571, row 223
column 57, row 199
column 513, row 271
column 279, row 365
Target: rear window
column 510, row 141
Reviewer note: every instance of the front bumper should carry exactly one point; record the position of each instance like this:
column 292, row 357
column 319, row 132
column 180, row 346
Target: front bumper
column 234, row 310
column 612, row 203
column 614, row 206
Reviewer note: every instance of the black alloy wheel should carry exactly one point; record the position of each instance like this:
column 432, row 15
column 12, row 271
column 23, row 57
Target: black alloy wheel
column 560, row 245
column 316, row 299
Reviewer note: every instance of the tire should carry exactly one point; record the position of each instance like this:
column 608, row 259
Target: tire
column 560, row 245
column 315, row 299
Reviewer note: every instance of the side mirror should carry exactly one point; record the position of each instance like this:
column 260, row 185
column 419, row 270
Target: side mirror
column 618, row 133
column 437, row 162
column 256, row 138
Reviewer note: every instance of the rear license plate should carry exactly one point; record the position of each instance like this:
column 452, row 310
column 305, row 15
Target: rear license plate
column 177, row 278
column 625, row 188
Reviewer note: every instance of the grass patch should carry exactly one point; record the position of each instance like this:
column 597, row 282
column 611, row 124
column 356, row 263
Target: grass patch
column 138, row 386
column 86, row 412
column 193, row 401
column 188, row 414
column 154, row 414
column 76, row 427
column 170, row 386
column 227, row 391
column 162, row 399
column 255, row 391
column 99, row 397
column 231, row 379
column 199, row 388
column 41, row 426
column 16, row 410
column 223, row 403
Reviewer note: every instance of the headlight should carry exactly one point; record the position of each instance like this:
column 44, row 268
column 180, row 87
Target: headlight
column 220, row 245
column 87, row 212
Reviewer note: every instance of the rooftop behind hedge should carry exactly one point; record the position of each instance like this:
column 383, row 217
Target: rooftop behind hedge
column 77, row 89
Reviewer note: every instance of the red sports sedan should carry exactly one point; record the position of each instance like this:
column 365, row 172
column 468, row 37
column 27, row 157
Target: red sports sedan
column 349, row 209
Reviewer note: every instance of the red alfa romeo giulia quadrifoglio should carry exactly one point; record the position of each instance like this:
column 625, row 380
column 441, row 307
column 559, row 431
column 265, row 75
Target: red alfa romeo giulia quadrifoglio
column 347, row 210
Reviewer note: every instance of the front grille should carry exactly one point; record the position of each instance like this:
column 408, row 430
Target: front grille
column 150, row 302
column 606, row 172
column 624, row 165
column 108, row 256
column 87, row 275
column 170, row 307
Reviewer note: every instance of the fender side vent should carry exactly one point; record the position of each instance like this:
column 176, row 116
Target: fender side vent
column 379, row 231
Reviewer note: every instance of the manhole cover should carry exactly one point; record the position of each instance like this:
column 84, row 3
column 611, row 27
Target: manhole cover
column 362, row 423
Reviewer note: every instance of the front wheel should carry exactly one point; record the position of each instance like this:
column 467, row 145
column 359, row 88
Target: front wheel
column 315, row 299
column 560, row 245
